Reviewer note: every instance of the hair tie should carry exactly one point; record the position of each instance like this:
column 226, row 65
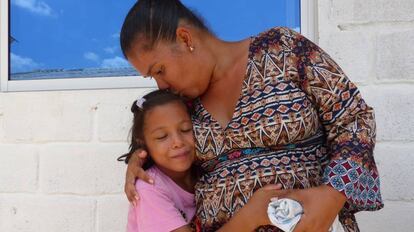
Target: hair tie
column 140, row 102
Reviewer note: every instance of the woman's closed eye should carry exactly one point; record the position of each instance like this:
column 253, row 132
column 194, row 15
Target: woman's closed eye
column 159, row 71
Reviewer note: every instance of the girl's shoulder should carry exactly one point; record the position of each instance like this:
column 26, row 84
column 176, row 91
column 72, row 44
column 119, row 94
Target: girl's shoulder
column 157, row 176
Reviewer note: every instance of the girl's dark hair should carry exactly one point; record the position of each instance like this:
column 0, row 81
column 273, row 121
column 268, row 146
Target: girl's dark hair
column 155, row 20
column 150, row 100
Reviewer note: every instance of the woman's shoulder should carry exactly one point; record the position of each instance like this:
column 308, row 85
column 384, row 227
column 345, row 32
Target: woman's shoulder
column 277, row 30
column 275, row 40
column 276, row 36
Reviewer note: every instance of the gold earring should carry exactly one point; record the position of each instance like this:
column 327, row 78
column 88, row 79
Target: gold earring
column 191, row 48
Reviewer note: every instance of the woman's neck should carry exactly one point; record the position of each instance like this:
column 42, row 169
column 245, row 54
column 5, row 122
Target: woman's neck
column 230, row 58
column 228, row 74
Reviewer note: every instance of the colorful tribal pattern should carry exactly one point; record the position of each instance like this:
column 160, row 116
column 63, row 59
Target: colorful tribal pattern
column 299, row 122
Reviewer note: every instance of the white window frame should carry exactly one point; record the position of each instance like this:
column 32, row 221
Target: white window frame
column 308, row 23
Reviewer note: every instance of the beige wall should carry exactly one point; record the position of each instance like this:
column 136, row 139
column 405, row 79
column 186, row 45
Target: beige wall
column 373, row 40
column 58, row 149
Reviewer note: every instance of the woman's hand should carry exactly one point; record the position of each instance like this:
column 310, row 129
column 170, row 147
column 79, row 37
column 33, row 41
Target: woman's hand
column 135, row 171
column 254, row 213
column 320, row 204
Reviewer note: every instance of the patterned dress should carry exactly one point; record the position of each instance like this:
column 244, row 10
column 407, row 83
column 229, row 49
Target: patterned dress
column 299, row 121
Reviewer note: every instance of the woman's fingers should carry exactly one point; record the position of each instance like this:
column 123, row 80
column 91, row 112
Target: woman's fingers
column 135, row 166
column 272, row 187
column 142, row 175
column 141, row 154
column 135, row 171
column 131, row 193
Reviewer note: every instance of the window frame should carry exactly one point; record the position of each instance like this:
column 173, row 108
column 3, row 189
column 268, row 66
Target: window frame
column 308, row 25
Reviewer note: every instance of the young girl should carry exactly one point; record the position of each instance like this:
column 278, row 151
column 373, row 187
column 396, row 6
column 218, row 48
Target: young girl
column 162, row 125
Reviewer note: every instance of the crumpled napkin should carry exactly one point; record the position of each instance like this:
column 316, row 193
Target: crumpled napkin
column 285, row 214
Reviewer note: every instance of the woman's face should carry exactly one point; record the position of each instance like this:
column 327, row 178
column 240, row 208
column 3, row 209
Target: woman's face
column 174, row 67
column 168, row 135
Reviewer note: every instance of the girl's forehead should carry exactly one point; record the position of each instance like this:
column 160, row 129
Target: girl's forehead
column 172, row 110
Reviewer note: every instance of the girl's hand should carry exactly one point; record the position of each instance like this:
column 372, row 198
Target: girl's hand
column 135, row 171
column 320, row 204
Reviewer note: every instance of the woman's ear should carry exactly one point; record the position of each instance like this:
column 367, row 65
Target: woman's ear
column 184, row 37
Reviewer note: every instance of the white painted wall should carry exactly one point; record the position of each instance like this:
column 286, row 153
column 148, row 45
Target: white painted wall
column 373, row 41
column 57, row 149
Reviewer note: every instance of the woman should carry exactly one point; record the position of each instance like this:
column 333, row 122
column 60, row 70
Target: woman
column 273, row 108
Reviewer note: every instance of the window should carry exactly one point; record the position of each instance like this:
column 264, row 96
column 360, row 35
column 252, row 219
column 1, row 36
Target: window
column 57, row 45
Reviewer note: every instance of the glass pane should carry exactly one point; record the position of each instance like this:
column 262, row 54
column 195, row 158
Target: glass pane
column 234, row 20
column 67, row 39
column 77, row 38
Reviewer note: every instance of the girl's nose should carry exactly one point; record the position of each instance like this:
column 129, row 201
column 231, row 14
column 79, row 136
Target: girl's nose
column 178, row 141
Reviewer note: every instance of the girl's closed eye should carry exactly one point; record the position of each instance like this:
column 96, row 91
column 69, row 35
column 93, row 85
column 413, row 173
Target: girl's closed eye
column 161, row 137
column 187, row 129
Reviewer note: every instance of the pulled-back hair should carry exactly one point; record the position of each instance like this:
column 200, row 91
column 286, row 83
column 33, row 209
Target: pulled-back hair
column 155, row 20
column 149, row 101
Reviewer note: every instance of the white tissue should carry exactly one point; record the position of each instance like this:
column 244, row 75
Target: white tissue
column 285, row 214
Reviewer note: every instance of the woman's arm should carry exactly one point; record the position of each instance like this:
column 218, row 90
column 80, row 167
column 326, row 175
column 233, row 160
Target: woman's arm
column 134, row 171
column 252, row 215
column 254, row 212
column 348, row 121
column 185, row 228
column 350, row 178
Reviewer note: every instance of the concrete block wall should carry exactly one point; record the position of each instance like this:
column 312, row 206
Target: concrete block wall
column 58, row 168
column 372, row 40
column 58, row 149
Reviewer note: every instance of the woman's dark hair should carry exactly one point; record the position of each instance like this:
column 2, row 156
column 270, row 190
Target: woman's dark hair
column 154, row 21
column 148, row 102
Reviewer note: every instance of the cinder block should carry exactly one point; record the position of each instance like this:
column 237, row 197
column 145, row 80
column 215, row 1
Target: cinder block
column 30, row 213
column 82, row 168
column 2, row 133
column 114, row 116
column 18, row 168
column 393, row 107
column 353, row 51
column 395, row 55
column 356, row 11
column 46, row 116
column 112, row 213
column 395, row 162
column 381, row 10
column 395, row 216
column 115, row 121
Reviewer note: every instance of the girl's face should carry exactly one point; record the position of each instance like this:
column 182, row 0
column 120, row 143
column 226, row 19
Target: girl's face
column 168, row 135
